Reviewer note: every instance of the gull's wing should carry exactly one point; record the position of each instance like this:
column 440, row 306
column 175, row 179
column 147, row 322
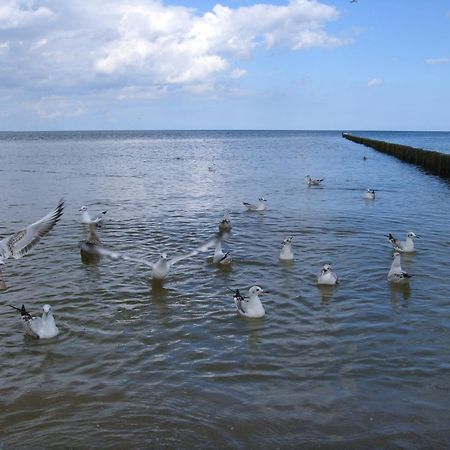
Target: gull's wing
column 210, row 243
column 102, row 251
column 21, row 242
column 99, row 217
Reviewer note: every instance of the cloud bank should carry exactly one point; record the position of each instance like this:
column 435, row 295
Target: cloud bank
column 50, row 49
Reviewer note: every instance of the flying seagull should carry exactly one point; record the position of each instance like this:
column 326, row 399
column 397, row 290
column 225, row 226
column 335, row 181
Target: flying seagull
column 21, row 242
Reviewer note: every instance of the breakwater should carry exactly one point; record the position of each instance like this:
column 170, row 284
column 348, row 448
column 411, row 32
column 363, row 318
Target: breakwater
column 434, row 162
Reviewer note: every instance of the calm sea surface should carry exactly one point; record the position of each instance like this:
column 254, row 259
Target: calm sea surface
column 362, row 365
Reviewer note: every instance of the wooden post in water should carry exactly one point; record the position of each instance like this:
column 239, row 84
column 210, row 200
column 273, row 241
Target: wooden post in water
column 434, row 162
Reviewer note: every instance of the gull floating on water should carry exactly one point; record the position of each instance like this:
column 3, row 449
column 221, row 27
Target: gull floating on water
column 250, row 306
column 86, row 218
column 313, row 182
column 21, row 242
column 219, row 256
column 159, row 269
column 327, row 276
column 260, row 205
column 396, row 274
column 92, row 246
column 225, row 223
column 286, row 253
column 403, row 246
column 369, row 194
column 39, row 327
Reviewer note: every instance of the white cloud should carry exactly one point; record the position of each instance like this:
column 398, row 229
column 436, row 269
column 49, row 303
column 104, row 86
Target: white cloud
column 54, row 107
column 437, row 60
column 17, row 13
column 141, row 93
column 375, row 82
column 176, row 45
column 238, row 73
column 57, row 49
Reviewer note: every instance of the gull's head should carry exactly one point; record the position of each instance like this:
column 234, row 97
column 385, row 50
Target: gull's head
column 47, row 308
column 255, row 290
column 412, row 235
column 262, row 199
column 288, row 240
column 163, row 257
column 326, row 267
column 83, row 209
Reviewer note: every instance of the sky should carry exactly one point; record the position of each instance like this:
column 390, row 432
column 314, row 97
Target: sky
column 237, row 64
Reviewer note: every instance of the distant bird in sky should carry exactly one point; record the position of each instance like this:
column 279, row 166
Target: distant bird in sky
column 39, row 327
column 403, row 246
column 327, row 276
column 86, row 218
column 396, row 273
column 21, row 242
column 353, row 1
column 259, row 206
column 286, row 253
column 250, row 306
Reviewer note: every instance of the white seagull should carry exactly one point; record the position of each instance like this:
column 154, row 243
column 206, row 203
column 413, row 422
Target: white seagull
column 92, row 246
column 327, row 276
column 86, row 218
column 259, row 206
column 313, row 182
column 220, row 257
column 251, row 306
column 396, row 274
column 21, row 242
column 39, row 327
column 369, row 194
column 403, row 246
column 225, row 223
column 159, row 269
column 286, row 253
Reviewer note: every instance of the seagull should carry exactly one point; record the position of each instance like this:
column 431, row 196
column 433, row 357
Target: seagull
column 225, row 223
column 92, row 246
column 403, row 246
column 396, row 274
column 313, row 182
column 260, row 205
column 86, row 218
column 21, row 242
column 369, row 194
column 39, row 327
column 220, row 257
column 251, row 306
column 159, row 269
column 353, row 1
column 286, row 253
column 327, row 276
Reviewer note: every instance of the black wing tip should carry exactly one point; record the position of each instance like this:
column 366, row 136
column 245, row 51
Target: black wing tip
column 16, row 308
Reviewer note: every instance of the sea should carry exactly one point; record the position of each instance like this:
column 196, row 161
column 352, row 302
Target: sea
column 137, row 364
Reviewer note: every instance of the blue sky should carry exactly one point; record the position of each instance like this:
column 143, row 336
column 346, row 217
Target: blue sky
column 238, row 64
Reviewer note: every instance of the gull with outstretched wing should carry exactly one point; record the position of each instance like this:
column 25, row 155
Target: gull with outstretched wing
column 21, row 242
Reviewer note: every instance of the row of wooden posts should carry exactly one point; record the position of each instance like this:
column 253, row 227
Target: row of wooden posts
column 433, row 162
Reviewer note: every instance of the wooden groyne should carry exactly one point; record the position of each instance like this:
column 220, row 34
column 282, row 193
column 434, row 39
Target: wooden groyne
column 434, row 162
